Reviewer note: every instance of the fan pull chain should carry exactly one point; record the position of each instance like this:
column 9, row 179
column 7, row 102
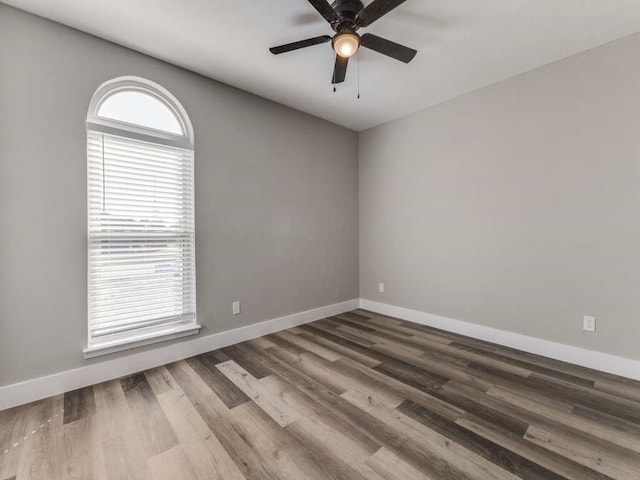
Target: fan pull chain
column 333, row 75
column 358, row 60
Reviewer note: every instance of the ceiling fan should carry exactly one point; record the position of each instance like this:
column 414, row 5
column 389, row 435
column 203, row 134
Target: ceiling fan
column 346, row 17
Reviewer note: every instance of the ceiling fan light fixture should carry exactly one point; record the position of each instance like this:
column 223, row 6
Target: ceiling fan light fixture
column 346, row 44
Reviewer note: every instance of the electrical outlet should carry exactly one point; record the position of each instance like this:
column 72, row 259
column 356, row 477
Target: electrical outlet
column 381, row 287
column 589, row 323
column 235, row 307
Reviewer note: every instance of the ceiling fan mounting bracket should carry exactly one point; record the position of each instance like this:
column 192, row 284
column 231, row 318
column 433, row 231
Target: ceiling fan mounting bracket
column 347, row 11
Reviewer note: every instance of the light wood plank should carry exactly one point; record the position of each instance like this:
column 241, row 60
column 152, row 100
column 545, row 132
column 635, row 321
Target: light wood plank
column 171, row 464
column 278, row 410
column 391, row 467
column 206, row 454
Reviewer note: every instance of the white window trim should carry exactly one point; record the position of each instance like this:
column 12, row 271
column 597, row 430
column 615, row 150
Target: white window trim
column 154, row 334
column 133, row 84
column 141, row 339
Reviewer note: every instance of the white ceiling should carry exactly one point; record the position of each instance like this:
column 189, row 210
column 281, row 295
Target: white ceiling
column 462, row 45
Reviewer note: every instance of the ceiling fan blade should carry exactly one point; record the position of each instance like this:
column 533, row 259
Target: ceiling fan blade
column 324, row 9
column 301, row 44
column 340, row 69
column 375, row 10
column 387, row 47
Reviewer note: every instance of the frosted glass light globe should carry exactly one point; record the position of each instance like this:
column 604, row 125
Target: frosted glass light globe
column 346, row 44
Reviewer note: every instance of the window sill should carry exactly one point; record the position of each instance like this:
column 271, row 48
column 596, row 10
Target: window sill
column 148, row 338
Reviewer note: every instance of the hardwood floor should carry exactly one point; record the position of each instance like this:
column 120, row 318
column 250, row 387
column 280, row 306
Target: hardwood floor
column 357, row 396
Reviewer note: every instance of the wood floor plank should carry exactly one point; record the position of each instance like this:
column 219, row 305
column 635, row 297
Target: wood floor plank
column 310, row 346
column 537, row 418
column 604, row 430
column 315, row 400
column 341, row 350
column 272, row 405
column 147, row 415
column 356, row 396
column 208, row 457
column 123, row 445
column 473, row 442
column 528, row 366
column 355, row 315
column 229, row 393
column 360, row 323
column 248, row 362
column 338, row 378
column 446, row 451
column 15, row 427
column 616, row 427
column 79, row 404
column 376, row 338
column 607, row 461
column 433, row 365
column 262, row 342
column 37, row 416
column 407, row 392
column 333, row 327
column 171, row 464
column 83, row 454
column 623, row 390
column 392, row 467
column 122, row 462
column 277, row 449
column 219, row 419
column 564, row 391
column 315, row 421
column 346, row 461
column 550, row 460
column 159, row 380
column 45, row 444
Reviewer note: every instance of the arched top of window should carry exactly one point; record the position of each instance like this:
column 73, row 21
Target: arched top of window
column 138, row 108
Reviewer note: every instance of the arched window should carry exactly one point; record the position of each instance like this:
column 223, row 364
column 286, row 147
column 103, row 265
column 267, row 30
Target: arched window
column 141, row 235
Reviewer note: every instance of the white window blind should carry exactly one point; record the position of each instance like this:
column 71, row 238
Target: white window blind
column 141, row 237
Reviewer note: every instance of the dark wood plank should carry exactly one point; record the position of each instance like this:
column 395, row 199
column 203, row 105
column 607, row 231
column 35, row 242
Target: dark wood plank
column 527, row 365
column 607, row 420
column 575, row 394
column 79, row 404
column 228, row 392
column 331, row 326
column 494, row 416
column 356, row 316
column 497, row 454
column 249, row 363
column 545, row 458
column 346, row 320
column 215, row 357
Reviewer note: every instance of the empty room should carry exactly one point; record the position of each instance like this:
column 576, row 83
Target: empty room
column 319, row 240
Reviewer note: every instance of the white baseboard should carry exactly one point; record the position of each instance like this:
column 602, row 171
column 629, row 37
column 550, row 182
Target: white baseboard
column 604, row 362
column 43, row 387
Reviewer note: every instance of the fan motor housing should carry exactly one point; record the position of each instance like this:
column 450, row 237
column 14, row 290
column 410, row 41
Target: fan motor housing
column 347, row 11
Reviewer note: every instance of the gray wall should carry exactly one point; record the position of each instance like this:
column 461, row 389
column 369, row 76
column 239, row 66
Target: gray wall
column 276, row 193
column 516, row 206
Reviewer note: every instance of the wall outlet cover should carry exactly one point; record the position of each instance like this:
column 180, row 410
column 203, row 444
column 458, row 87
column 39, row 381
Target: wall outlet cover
column 589, row 323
